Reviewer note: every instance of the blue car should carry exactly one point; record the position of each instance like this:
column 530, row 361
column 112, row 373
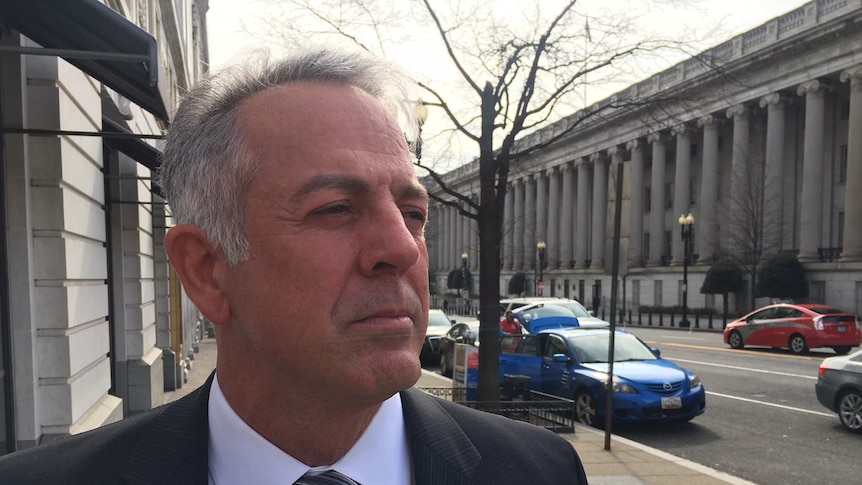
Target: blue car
column 562, row 359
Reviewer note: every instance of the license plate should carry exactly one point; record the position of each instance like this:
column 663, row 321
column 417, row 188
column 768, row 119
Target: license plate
column 671, row 403
column 842, row 329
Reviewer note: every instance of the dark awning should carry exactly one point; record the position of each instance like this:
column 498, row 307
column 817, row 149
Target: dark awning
column 133, row 146
column 97, row 40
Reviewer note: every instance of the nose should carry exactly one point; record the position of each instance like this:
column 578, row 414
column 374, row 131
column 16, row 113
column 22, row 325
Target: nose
column 386, row 244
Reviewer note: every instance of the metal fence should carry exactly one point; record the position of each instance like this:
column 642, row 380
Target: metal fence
column 540, row 409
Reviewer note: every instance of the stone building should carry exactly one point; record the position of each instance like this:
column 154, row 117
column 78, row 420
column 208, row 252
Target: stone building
column 769, row 138
column 92, row 323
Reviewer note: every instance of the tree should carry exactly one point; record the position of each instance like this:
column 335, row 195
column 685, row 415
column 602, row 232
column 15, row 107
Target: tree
column 723, row 277
column 535, row 70
column 751, row 211
column 782, row 276
column 518, row 284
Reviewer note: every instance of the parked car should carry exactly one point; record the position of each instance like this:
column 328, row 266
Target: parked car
column 839, row 388
column 557, row 307
column 460, row 333
column 573, row 363
column 796, row 327
column 438, row 324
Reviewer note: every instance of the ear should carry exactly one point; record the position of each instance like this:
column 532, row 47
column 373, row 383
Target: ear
column 201, row 268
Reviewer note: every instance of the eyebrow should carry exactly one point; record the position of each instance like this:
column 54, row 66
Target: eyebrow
column 354, row 185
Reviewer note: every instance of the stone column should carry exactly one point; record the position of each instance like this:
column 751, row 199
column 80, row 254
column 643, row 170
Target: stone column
column 449, row 238
column 474, row 240
column 852, row 244
column 530, row 222
column 554, row 210
column 811, row 223
column 773, row 176
column 636, row 226
column 518, row 263
column 706, row 233
column 600, row 210
column 465, row 238
column 682, row 189
column 509, row 228
column 568, row 216
column 657, row 201
column 542, row 209
column 459, row 238
column 581, row 226
column 739, row 171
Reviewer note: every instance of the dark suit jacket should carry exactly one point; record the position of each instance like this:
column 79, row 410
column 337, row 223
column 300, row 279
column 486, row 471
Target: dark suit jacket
column 451, row 444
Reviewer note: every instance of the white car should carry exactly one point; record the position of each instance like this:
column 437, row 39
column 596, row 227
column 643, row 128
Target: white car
column 555, row 308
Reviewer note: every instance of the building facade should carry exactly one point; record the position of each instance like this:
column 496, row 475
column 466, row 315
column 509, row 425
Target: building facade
column 765, row 152
column 92, row 322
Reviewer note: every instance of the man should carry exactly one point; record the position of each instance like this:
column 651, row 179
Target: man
column 300, row 236
column 510, row 326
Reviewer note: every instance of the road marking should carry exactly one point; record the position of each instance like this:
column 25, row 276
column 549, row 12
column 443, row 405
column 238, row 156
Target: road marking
column 780, row 406
column 745, row 369
column 747, row 352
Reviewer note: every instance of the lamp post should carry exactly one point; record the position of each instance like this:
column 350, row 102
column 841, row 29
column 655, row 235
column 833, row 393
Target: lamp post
column 540, row 246
column 465, row 289
column 686, row 224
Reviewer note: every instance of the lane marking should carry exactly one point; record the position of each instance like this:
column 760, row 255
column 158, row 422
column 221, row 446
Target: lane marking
column 735, row 367
column 742, row 351
column 779, row 406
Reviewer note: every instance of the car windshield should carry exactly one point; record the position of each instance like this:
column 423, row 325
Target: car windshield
column 530, row 314
column 576, row 308
column 438, row 319
column 593, row 348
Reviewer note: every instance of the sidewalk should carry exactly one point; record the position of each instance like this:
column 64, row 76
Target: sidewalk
column 628, row 462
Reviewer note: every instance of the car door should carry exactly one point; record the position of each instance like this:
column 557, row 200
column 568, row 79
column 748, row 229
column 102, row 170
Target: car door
column 556, row 375
column 523, row 359
column 760, row 328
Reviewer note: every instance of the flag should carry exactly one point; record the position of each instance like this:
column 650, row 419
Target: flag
column 587, row 30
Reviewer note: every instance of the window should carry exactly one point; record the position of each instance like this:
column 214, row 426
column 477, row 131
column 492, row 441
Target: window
column 720, row 143
column 556, row 346
column 668, row 195
column 842, row 165
column 645, row 254
column 636, row 294
column 767, row 314
column 668, row 244
column 840, row 241
column 694, row 149
column 845, row 109
column 647, row 199
column 657, row 296
column 817, row 292
column 709, row 300
column 680, row 286
column 691, row 192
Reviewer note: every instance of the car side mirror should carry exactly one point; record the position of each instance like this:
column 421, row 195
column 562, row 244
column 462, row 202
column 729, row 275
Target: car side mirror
column 452, row 321
column 560, row 358
column 657, row 352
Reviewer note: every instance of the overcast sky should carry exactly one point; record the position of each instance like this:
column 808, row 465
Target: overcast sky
column 229, row 22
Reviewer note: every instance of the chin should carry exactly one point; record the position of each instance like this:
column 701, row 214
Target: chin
column 388, row 374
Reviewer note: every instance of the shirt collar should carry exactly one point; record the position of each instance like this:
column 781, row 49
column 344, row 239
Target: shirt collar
column 238, row 454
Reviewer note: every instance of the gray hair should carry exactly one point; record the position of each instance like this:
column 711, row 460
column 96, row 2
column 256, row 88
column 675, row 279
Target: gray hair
column 207, row 166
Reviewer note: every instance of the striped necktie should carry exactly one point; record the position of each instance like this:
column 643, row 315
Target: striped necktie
column 329, row 477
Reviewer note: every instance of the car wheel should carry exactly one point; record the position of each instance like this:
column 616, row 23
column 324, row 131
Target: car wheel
column 850, row 410
column 797, row 344
column 735, row 340
column 444, row 365
column 585, row 408
column 841, row 349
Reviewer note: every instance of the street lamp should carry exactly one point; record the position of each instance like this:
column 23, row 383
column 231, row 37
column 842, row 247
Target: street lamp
column 465, row 290
column 686, row 224
column 540, row 246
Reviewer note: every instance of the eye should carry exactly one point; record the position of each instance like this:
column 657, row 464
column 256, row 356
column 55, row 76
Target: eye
column 334, row 210
column 415, row 215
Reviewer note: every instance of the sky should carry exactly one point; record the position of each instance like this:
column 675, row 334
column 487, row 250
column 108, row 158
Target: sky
column 231, row 24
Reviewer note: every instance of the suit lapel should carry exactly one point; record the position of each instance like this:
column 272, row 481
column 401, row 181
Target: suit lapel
column 442, row 453
column 173, row 446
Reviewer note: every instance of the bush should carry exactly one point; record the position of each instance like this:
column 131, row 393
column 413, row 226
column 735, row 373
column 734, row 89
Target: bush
column 518, row 284
column 782, row 276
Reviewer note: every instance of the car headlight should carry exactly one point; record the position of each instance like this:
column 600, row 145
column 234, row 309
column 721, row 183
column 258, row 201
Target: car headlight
column 695, row 380
column 623, row 388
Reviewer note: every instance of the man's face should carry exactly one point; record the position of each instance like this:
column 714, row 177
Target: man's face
column 334, row 298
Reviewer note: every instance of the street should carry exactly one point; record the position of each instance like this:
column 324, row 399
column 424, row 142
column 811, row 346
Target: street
column 763, row 422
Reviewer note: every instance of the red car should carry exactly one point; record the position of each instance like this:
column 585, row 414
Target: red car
column 796, row 327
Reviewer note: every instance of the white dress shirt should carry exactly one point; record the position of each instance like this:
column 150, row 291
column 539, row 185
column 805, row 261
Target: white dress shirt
column 239, row 455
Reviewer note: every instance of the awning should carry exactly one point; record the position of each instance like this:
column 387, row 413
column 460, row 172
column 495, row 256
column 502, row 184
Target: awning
column 97, row 40
column 133, row 146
